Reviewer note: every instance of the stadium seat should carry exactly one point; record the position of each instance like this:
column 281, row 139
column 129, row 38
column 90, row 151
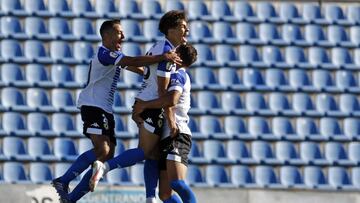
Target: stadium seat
column 237, row 151
column 200, row 32
column 246, row 33
column 290, row 14
column 151, row 31
column 306, row 128
column 276, row 80
column 13, row 7
column 299, row 79
column 129, row 9
column 14, row 124
column 12, row 75
column 39, row 124
column 35, row 28
column 118, row 105
column 334, row 15
column 118, row 177
column 14, row 172
column 241, row 176
column 37, row 76
column 253, row 79
column 323, row 81
column 351, row 128
column 60, row 168
column 216, row 176
column 211, row 127
column 353, row 14
column 60, row 8
column 205, row 78
column 120, row 128
column 205, row 56
column 266, row 12
column 336, row 155
column 64, row 125
column 235, row 126
column 13, row 99
column 40, row 173
column 243, row 11
column 62, row 100
column 255, row 104
column 262, row 152
column 338, row 36
column 290, row 177
column 355, row 177
column 174, row 5
column 83, row 30
column 259, row 127
column 280, row 105
column 132, row 127
column 39, row 149
column 60, row 52
column 226, row 55
column 231, row 103
column 14, row 149
column 353, row 152
column 83, row 8
column 314, row 178
column 273, row 57
column 195, row 155
column 229, row 79
column 295, row 57
column 223, row 32
column 341, row 58
column 329, row 127
column 312, row 14
column 11, row 28
column 64, row 149
column 293, row 36
column 152, row 9
column 194, row 177
column 137, row 174
column 11, row 51
column 84, row 145
column 132, row 31
column 311, row 154
column 36, row 53
column 36, row 8
column 314, row 35
column 197, row 10
column 339, row 179
column 131, row 79
column 220, row 10
column 356, row 54
column 83, row 51
column 269, row 34
column 120, row 147
column 249, row 56
column 215, row 153
column 59, row 29
column 327, row 106
column 131, row 49
column 81, row 74
column 265, row 177
column 106, row 9
column 283, row 128
column 318, row 57
column 287, row 154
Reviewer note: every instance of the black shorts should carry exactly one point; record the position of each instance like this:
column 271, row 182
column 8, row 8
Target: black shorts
column 153, row 120
column 175, row 149
column 98, row 122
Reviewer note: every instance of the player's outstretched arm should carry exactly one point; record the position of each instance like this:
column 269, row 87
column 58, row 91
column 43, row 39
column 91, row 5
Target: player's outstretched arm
column 168, row 100
column 138, row 70
column 147, row 60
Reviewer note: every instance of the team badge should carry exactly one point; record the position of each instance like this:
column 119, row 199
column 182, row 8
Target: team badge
column 169, row 66
column 105, row 122
column 160, row 123
column 113, row 54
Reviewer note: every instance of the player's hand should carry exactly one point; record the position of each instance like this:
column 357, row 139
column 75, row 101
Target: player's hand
column 138, row 107
column 137, row 119
column 174, row 130
column 172, row 57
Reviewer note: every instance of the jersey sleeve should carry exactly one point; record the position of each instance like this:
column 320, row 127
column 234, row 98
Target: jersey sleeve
column 107, row 57
column 177, row 82
column 164, row 67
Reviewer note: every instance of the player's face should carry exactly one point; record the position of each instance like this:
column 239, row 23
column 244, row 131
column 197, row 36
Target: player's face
column 181, row 32
column 117, row 37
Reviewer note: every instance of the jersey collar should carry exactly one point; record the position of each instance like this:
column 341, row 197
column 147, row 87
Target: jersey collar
column 172, row 46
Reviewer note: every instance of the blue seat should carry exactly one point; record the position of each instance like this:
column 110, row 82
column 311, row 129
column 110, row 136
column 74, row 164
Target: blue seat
column 106, row 9
column 290, row 177
column 39, row 124
column 12, row 75
column 339, row 179
column 314, row 35
column 329, row 127
column 36, row 8
column 195, row 155
column 336, row 154
column 13, row 99
column 131, row 49
column 37, row 75
column 200, row 32
column 61, row 168
column 311, row 154
column 40, row 173
column 132, row 127
column 130, row 98
column 318, row 57
column 81, row 74
column 299, row 79
column 205, row 56
column 246, row 33
column 151, row 31
column 197, row 10
column 255, row 104
column 120, row 147
column 220, row 10
column 223, row 32
column 64, row 149
column 266, row 12
column 287, row 154
column 215, row 153
column 295, row 57
column 238, row 152
column 290, row 14
column 341, row 58
column 235, row 126
column 194, row 176
column 253, row 79
column 259, row 128
column 60, row 8
column 280, row 105
column 14, row 149
column 216, row 176
column 312, row 14
column 269, row 34
column 273, row 57
column 205, row 78
column 241, row 176
column 40, row 150
column 226, row 55
column 83, row 51
column 283, row 128
column 83, row 29
column 63, row 101
column 354, row 35
column 35, row 51
column 14, row 172
column 211, row 127
column 353, row 14
column 11, row 28
column 11, row 51
column 130, row 9
column 14, row 124
column 132, row 31
column 243, row 11
column 306, row 128
column 314, row 178
column 64, row 125
column 349, row 104
column 327, row 106
column 120, row 128
column 351, row 128
column 355, row 177
column 137, row 174
column 334, row 15
column 323, row 81
column 59, row 29
column 292, row 35
column 83, row 8
column 152, row 9
column 266, row 177
column 231, row 103
column 131, row 79
column 353, row 152
column 249, row 56
column 262, row 152
column 35, row 28
column 60, row 52
column 84, row 145
column 174, row 5
column 275, row 79
column 229, row 79
column 338, row 36
column 13, row 7
column 118, row 177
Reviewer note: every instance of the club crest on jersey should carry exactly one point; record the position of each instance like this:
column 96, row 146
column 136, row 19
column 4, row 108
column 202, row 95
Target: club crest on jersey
column 160, row 123
column 113, row 54
column 169, row 66
column 105, row 122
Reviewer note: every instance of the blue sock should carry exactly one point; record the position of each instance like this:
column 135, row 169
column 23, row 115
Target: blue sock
column 82, row 188
column 173, row 199
column 151, row 177
column 125, row 159
column 80, row 165
column 183, row 190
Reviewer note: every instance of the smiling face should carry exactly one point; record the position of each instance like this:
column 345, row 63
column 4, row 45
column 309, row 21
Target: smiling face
column 179, row 33
column 114, row 38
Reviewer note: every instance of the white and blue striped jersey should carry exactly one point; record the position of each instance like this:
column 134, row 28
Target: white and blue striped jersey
column 102, row 79
column 180, row 81
column 149, row 86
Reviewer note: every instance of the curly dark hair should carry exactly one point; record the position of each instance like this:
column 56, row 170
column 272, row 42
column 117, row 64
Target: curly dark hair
column 187, row 53
column 107, row 26
column 170, row 20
